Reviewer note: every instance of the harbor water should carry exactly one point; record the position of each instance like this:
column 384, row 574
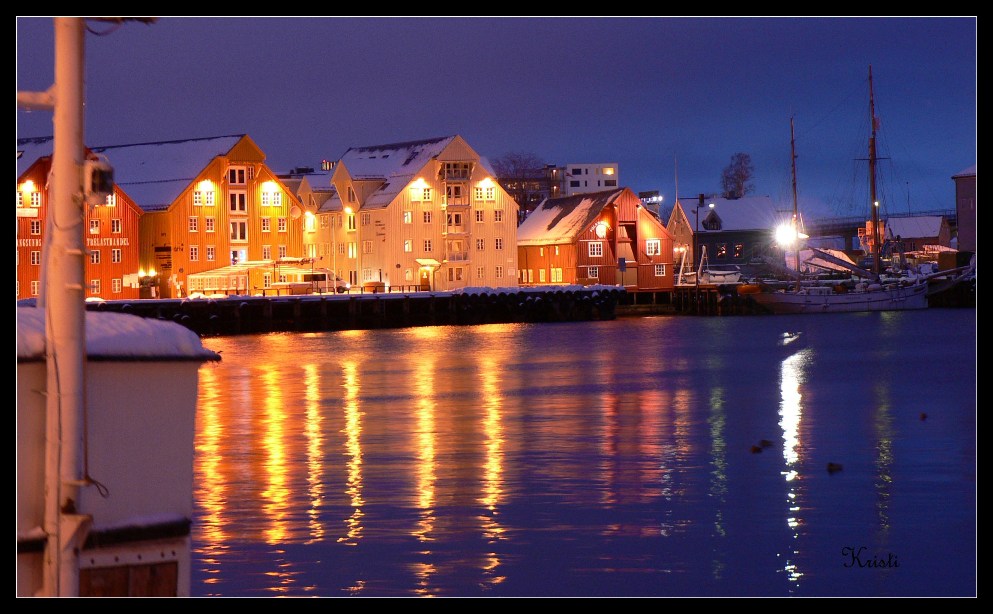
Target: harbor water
column 816, row 455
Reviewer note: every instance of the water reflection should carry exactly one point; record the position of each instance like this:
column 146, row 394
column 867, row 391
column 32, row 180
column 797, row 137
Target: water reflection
column 718, row 474
column 212, row 487
column 425, row 470
column 492, row 495
column 792, row 375
column 353, row 452
column 883, row 427
column 314, row 431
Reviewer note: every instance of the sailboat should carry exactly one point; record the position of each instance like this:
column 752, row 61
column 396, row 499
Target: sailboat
column 706, row 274
column 869, row 293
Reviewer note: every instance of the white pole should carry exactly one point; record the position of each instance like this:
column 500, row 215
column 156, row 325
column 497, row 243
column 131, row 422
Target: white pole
column 64, row 318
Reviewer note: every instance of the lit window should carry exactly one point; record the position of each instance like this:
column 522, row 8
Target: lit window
column 596, row 250
column 722, row 250
column 266, row 224
column 115, row 226
column 541, row 276
column 194, row 253
column 653, row 247
column 309, row 222
column 593, row 272
column 491, row 193
column 282, row 224
column 197, row 199
column 211, row 252
column 660, row 270
column 408, row 245
column 427, row 217
column 739, row 250
column 111, row 200
column 36, row 258
column 208, row 224
column 325, row 221
column 35, row 287
column 208, row 198
column 367, row 247
column 35, row 199
column 557, row 275
column 498, row 243
column 36, row 227
column 193, row 224
column 556, row 250
column 115, row 255
column 352, row 252
column 115, row 286
column 408, row 217
column 480, row 244
column 94, row 227
column 498, row 272
column 427, row 245
column 267, row 252
column 282, row 251
column 498, row 215
column 541, row 251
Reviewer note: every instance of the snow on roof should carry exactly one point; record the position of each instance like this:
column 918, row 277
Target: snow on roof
column 395, row 164
column 913, row 227
column 30, row 149
column 154, row 174
column 748, row 213
column 558, row 221
column 331, row 204
column 115, row 335
column 967, row 172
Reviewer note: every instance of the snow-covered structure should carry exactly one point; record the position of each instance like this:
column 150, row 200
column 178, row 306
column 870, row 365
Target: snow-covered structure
column 916, row 231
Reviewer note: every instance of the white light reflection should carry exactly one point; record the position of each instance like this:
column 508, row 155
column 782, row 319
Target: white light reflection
column 718, row 474
column 426, row 471
column 315, row 452
column 211, row 483
column 493, row 468
column 792, row 375
column 353, row 451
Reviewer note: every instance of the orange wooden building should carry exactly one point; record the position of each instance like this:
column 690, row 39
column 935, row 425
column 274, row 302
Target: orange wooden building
column 599, row 238
column 110, row 231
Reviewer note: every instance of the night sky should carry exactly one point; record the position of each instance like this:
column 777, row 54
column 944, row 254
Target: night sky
column 646, row 93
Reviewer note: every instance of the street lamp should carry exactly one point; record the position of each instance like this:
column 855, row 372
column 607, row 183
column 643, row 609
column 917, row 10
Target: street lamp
column 696, row 240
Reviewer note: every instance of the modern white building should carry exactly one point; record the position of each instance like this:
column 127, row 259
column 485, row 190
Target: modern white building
column 586, row 178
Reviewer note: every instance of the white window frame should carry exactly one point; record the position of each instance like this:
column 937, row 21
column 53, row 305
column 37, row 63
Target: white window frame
column 116, row 254
column 238, row 202
column 498, row 272
column 194, row 253
column 35, row 199
column 480, row 216
column 116, row 285
column 35, row 287
column 498, row 243
column 595, row 249
column 193, row 224
column 36, row 227
column 480, row 245
column 281, row 224
column 281, row 250
column 367, row 246
column 95, row 256
column 115, row 226
column 267, row 252
column 498, row 215
column 237, row 175
column 426, row 216
column 427, row 245
column 208, row 224
column 211, row 253
column 408, row 217
column 36, row 258
column 593, row 272
column 653, row 247
column 480, row 272
column 94, row 286
column 266, row 224
column 660, row 270
column 94, row 227
column 239, row 231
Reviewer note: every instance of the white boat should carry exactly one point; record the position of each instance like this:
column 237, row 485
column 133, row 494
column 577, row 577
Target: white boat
column 866, row 295
column 706, row 274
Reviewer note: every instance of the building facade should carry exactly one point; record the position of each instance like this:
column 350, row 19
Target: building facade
column 111, row 232
column 588, row 178
column 965, row 208
column 605, row 237
column 419, row 215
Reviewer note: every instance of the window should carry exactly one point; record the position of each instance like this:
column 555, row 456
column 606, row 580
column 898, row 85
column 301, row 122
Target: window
column 95, row 286
column 557, row 275
column 265, row 198
column 309, row 222
column 282, row 224
column 115, row 255
column 282, row 252
column 573, row 184
column 115, row 226
column 491, row 193
column 480, row 272
column 194, row 253
column 498, row 243
column 208, row 198
column 266, row 224
column 267, row 280
column 267, row 252
column 660, row 270
column 350, row 222
column 352, row 252
column 36, row 258
column 427, row 217
column 341, row 249
column 237, row 201
column 366, row 219
column 453, row 194
column 593, row 272
column 367, row 275
column 111, row 200
column 208, row 224
column 95, row 257
column 426, row 194
column 498, row 215
column 408, row 245
column 556, row 250
column 236, row 175
column 480, row 215
column 541, row 276
column 211, row 252
column 653, row 247
column 35, row 199
column 455, row 273
column 94, row 227
column 577, row 171
column 239, row 231
column 192, row 227
column 610, row 183
column 115, row 286
column 351, row 194
column 480, row 244
column 596, row 249
column 35, row 287
column 457, row 170
column 325, row 221
column 541, row 251
column 739, row 250
column 427, row 245
column 197, row 199
column 722, row 250
column 36, row 227
column 477, row 193
column 408, row 217
column 408, row 275
column 20, row 198
column 498, row 272
column 367, row 247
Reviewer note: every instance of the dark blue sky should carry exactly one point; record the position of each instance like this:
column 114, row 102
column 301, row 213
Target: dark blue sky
column 641, row 92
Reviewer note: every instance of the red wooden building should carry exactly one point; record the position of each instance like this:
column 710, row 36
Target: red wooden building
column 598, row 238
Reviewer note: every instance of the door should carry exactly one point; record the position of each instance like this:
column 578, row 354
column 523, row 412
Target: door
column 425, row 280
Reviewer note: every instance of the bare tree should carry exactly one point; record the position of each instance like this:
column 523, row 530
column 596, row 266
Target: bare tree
column 525, row 177
column 736, row 179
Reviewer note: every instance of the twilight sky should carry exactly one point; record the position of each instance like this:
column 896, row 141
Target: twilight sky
column 646, row 93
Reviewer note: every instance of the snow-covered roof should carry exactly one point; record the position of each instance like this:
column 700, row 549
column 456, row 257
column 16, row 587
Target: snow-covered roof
column 30, row 149
column 333, row 203
column 913, row 226
column 154, row 174
column 395, row 164
column 748, row 213
column 968, row 172
column 118, row 336
column 559, row 221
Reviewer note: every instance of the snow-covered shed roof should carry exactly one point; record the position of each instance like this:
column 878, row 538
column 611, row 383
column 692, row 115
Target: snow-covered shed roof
column 559, row 221
column 115, row 336
column 913, row 226
column 748, row 213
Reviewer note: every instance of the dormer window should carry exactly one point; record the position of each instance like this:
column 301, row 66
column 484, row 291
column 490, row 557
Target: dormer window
column 456, row 171
column 237, row 175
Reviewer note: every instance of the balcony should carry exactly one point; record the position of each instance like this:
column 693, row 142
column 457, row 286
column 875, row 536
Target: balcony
column 455, row 229
column 457, row 256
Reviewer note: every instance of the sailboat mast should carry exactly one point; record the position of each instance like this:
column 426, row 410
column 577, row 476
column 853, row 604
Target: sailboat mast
column 796, row 217
column 873, row 202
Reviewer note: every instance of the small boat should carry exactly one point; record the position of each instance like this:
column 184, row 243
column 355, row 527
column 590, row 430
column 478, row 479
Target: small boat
column 706, row 274
column 870, row 294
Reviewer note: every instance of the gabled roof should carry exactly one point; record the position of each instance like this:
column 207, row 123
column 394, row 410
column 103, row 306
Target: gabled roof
column 559, row 221
column 394, row 164
column 913, row 227
column 968, row 172
column 748, row 213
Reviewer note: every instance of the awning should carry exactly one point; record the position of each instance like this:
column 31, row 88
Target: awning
column 428, row 262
